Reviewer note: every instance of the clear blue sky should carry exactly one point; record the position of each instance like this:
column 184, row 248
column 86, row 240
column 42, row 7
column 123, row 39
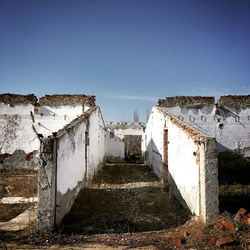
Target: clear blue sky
column 126, row 52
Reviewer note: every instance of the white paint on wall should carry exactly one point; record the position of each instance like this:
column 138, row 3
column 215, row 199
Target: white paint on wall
column 16, row 124
column 154, row 141
column 71, row 111
column 114, row 147
column 181, row 160
column 71, row 152
column 71, row 158
column 97, row 143
column 16, row 130
column 182, row 167
column 229, row 126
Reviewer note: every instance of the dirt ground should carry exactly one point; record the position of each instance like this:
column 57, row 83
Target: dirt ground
column 192, row 235
column 132, row 195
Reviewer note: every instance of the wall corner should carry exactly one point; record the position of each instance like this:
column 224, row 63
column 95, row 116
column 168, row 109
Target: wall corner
column 209, row 187
column 47, row 186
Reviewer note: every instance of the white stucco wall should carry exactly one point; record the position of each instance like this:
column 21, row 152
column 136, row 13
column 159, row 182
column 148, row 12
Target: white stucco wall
column 97, row 143
column 192, row 164
column 16, row 130
column 114, row 147
column 71, row 165
column 51, row 119
column 154, row 141
column 230, row 126
column 182, row 168
column 71, row 111
column 83, row 137
column 16, row 124
column 131, row 131
column 71, row 158
column 232, row 129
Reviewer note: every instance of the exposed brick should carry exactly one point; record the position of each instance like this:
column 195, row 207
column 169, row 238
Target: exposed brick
column 242, row 211
column 165, row 149
column 186, row 101
column 29, row 156
column 228, row 224
column 73, row 100
column 179, row 241
column 13, row 99
column 235, row 101
column 213, row 239
column 185, row 234
column 223, row 241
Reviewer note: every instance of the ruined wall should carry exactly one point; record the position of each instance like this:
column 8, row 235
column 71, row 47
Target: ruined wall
column 120, row 130
column 16, row 131
column 192, row 162
column 71, row 165
column 53, row 112
column 97, row 143
column 114, row 148
column 47, row 186
column 154, row 141
column 228, row 121
column 183, row 171
column 79, row 150
column 22, row 118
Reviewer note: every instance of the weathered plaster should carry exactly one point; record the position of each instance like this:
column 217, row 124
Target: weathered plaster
column 46, row 186
column 228, row 121
column 115, row 146
column 192, row 169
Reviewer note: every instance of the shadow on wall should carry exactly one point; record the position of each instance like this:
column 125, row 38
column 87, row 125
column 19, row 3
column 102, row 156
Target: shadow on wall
column 46, row 112
column 133, row 152
column 162, row 170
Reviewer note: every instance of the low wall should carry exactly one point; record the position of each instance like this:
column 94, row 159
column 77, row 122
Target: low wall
column 72, row 158
column 191, row 162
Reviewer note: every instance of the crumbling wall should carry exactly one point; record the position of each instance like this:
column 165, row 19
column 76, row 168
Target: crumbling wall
column 23, row 119
column 97, row 143
column 47, row 186
column 16, row 130
column 53, row 112
column 232, row 124
column 119, row 131
column 19, row 159
column 191, row 164
column 78, row 151
column 228, row 121
column 114, row 148
column 154, row 141
column 71, row 165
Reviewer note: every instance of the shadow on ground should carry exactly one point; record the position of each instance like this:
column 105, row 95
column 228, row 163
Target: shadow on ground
column 234, row 181
column 139, row 203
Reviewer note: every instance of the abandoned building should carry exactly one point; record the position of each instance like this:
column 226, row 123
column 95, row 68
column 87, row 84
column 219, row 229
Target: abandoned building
column 68, row 141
